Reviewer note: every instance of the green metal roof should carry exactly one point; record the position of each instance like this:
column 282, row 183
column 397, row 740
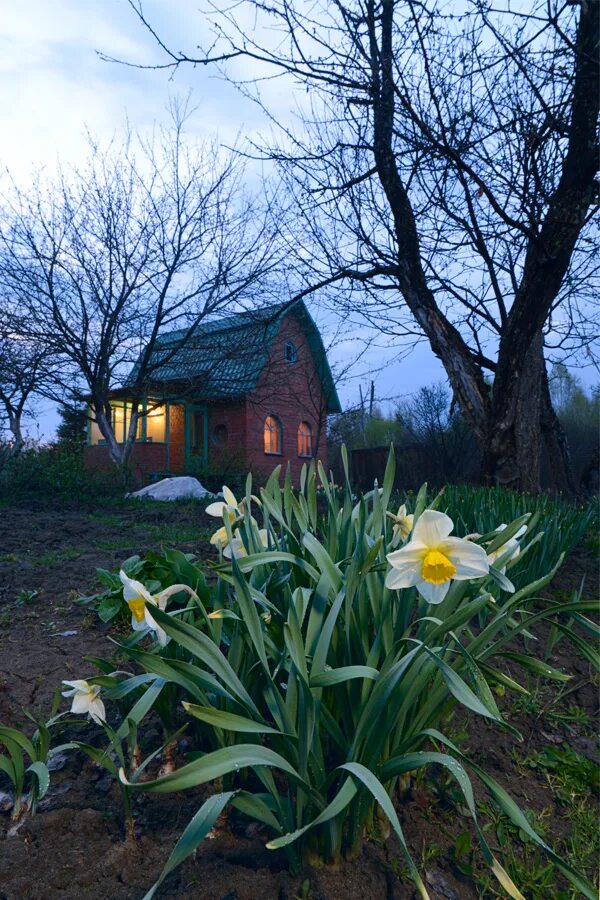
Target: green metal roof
column 223, row 359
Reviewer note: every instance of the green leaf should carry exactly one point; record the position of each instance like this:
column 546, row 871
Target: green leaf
column 343, row 673
column 460, row 690
column 40, row 770
column 214, row 765
column 337, row 805
column 375, row 787
column 194, row 834
column 535, row 665
column 228, row 721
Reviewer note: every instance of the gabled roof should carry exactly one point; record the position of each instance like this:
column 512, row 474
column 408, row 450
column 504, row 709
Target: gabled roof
column 223, row 359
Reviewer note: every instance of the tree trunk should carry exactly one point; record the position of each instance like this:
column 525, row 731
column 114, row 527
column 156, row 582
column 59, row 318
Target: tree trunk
column 512, row 451
column 14, row 423
column 557, row 446
column 104, row 424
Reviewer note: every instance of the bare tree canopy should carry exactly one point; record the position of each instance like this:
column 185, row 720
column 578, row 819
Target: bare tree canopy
column 446, row 159
column 146, row 237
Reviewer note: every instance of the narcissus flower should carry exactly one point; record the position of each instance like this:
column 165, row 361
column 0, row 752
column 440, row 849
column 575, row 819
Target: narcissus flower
column 140, row 601
column 403, row 524
column 236, row 547
column 86, row 699
column 432, row 559
column 229, row 505
column 510, row 550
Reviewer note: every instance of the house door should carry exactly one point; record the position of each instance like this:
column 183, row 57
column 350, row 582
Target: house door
column 196, row 435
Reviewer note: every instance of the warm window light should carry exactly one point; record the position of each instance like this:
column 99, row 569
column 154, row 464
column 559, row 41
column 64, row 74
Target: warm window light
column 273, row 435
column 304, row 439
column 156, row 421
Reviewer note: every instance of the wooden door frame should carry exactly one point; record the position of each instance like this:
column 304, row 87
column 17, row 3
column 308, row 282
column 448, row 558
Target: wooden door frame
column 190, row 410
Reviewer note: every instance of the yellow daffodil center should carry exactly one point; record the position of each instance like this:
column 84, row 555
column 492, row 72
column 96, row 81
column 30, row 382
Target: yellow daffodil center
column 437, row 568
column 137, row 606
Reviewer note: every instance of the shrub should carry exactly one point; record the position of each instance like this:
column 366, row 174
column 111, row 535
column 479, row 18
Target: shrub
column 45, row 474
column 316, row 690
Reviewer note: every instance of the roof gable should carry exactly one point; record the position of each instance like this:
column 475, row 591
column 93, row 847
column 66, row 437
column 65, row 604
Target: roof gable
column 223, row 359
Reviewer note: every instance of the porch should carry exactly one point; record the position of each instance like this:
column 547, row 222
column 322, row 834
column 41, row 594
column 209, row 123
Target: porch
column 171, row 439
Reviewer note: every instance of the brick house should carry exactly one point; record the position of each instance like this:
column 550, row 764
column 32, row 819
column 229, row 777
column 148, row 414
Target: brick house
column 254, row 387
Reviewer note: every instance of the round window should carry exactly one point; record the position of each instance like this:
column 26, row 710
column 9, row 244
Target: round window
column 289, row 352
column 219, row 435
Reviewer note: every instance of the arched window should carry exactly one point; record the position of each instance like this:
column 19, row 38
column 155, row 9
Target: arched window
column 304, row 439
column 290, row 354
column 273, row 435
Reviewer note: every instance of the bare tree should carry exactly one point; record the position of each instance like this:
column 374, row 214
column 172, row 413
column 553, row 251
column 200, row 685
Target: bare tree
column 26, row 369
column 447, row 162
column 146, row 237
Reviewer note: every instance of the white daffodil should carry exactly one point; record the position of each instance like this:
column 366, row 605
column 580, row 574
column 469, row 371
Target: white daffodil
column 432, row 559
column 229, row 505
column 237, row 548
column 86, row 700
column 140, row 601
column 403, row 524
column 511, row 548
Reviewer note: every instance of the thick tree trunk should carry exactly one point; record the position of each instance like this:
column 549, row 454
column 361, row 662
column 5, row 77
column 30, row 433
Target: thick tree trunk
column 520, row 425
column 512, row 450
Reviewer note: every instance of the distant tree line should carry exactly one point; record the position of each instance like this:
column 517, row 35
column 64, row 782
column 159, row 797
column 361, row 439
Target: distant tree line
column 434, row 442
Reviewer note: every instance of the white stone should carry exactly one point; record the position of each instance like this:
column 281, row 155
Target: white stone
column 179, row 488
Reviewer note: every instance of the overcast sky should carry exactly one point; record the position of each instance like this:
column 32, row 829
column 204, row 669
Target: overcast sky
column 54, row 86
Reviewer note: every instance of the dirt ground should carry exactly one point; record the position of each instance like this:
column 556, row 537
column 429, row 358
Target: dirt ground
column 74, row 848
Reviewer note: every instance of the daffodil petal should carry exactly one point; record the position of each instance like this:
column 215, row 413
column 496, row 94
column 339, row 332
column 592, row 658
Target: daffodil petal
column 216, row 509
column 229, row 496
column 432, row 528
column 433, row 593
column 470, row 559
column 133, row 588
column 97, row 711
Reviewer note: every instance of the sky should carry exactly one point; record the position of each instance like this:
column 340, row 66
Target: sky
column 54, row 87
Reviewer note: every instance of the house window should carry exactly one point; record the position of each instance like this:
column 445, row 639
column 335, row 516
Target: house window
column 290, row 354
column 220, row 435
column 273, row 435
column 121, row 416
column 156, row 421
column 304, row 439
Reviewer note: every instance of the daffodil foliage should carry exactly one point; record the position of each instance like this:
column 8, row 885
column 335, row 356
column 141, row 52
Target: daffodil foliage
column 320, row 669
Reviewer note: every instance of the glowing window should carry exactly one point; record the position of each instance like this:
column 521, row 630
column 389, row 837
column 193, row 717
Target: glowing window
column 156, row 421
column 273, row 435
column 304, row 439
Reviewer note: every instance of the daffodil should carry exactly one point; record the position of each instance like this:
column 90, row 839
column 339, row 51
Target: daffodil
column 510, row 550
column 86, row 699
column 403, row 524
column 237, row 548
column 432, row 559
column 229, row 505
column 140, row 601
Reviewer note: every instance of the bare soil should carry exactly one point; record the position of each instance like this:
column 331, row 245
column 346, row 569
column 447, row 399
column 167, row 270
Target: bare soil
column 74, row 848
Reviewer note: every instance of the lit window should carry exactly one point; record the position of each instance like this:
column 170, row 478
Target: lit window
column 304, row 439
column 290, row 353
column 121, row 416
column 273, row 435
column 156, row 421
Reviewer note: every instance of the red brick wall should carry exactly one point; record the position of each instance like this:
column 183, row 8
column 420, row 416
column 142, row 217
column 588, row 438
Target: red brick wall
column 145, row 459
column 177, row 435
column 233, row 417
column 294, row 394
